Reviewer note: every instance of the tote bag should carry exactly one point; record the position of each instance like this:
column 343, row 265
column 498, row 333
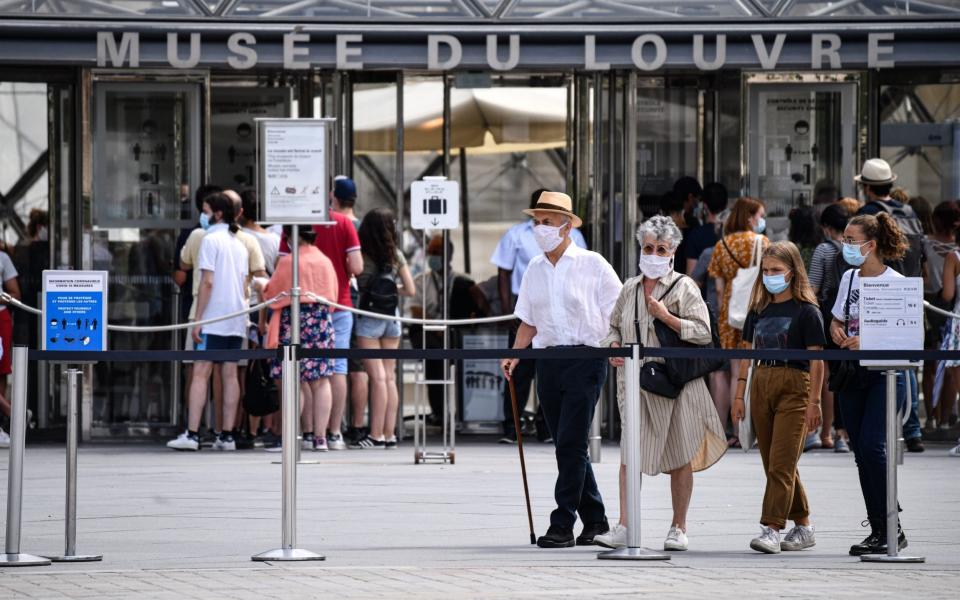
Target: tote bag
column 747, row 435
column 741, row 287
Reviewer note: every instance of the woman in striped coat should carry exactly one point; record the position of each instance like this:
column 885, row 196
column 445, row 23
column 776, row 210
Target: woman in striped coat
column 677, row 436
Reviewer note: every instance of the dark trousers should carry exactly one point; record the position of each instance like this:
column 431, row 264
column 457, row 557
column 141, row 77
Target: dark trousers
column 523, row 375
column 568, row 391
column 864, row 416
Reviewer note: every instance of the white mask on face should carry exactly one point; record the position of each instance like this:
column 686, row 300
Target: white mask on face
column 548, row 237
column 655, row 267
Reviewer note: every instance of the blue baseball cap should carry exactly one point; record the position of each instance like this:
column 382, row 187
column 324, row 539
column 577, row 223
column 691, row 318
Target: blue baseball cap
column 344, row 188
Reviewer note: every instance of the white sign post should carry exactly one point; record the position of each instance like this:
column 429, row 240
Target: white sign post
column 891, row 317
column 295, row 162
column 435, row 204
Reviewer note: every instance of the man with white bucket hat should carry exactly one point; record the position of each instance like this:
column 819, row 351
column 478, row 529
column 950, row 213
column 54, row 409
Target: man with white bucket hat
column 565, row 301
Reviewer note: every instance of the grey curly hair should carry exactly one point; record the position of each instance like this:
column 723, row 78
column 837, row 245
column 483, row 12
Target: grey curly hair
column 662, row 229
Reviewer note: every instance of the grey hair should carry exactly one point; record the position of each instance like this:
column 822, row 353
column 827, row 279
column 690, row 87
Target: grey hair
column 662, row 229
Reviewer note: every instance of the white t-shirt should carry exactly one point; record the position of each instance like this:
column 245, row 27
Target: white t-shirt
column 269, row 245
column 225, row 255
column 853, row 325
column 7, row 272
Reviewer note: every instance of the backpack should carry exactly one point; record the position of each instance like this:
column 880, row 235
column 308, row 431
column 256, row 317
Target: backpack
column 380, row 294
column 911, row 263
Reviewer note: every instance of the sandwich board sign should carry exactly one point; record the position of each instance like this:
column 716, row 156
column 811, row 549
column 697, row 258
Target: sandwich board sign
column 74, row 311
column 435, row 204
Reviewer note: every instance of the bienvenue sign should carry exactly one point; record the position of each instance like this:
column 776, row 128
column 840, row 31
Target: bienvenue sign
column 443, row 52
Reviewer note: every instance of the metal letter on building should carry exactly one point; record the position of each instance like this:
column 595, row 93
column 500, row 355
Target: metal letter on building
column 660, row 57
column 874, row 50
column 129, row 49
column 818, row 51
column 173, row 51
column 719, row 56
column 590, row 62
column 433, row 52
column 512, row 59
column 768, row 59
column 246, row 58
column 345, row 52
column 291, row 51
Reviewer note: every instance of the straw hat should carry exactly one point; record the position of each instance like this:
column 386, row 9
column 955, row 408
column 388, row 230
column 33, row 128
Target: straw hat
column 555, row 202
column 876, row 171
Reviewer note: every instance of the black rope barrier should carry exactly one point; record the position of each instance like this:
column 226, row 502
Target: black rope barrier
column 555, row 353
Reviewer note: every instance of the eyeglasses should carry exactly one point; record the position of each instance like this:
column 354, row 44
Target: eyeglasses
column 659, row 250
column 854, row 242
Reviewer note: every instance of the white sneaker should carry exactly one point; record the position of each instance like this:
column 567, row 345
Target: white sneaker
column 955, row 451
column 676, row 540
column 320, row 444
column 224, row 445
column 4, row 439
column 335, row 441
column 184, row 441
column 800, row 537
column 306, row 443
column 768, row 542
column 613, row 539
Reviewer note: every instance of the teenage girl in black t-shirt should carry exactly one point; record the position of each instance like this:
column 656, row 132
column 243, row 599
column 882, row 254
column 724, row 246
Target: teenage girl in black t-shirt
column 785, row 394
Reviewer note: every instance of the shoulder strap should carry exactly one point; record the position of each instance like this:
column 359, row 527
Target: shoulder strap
column 670, row 289
column 757, row 251
column 723, row 240
column 846, row 306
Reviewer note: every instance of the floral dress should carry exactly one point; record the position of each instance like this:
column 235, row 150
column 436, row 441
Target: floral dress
column 724, row 266
column 316, row 331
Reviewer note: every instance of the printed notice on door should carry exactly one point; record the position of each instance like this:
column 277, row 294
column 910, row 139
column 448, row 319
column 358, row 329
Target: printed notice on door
column 294, row 158
column 891, row 316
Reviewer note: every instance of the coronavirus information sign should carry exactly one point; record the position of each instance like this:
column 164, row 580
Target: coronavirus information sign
column 294, row 169
column 74, row 309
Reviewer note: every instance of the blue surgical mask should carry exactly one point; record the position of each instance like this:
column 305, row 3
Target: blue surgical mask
column 775, row 283
column 435, row 263
column 852, row 254
column 205, row 220
column 761, row 226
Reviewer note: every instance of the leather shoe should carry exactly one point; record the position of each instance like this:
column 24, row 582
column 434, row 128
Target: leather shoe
column 556, row 537
column 914, row 445
column 591, row 531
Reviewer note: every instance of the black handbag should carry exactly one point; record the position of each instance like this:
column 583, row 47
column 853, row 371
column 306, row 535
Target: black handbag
column 846, row 375
column 654, row 379
column 260, row 397
column 681, row 371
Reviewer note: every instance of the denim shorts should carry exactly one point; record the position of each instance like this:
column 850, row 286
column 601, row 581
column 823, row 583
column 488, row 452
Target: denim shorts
column 370, row 327
column 342, row 325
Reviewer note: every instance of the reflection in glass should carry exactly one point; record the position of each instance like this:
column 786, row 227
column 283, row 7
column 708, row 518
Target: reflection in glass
column 668, row 147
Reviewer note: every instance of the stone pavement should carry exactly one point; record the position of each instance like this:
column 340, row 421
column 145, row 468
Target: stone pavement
column 184, row 526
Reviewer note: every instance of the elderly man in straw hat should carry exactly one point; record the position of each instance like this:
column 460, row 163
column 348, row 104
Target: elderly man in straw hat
column 565, row 301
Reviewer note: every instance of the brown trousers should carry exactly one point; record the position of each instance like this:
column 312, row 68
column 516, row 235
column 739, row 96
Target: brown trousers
column 778, row 404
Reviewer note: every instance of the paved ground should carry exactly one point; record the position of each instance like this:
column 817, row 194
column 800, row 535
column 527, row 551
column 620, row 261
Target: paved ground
column 185, row 525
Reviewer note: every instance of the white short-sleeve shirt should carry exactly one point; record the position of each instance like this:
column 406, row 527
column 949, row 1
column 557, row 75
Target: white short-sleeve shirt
column 569, row 303
column 7, row 272
column 225, row 255
column 518, row 247
column 853, row 325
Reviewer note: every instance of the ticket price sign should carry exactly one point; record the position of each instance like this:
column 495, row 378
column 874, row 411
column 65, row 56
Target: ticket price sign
column 74, row 310
column 891, row 317
column 295, row 163
column 435, row 204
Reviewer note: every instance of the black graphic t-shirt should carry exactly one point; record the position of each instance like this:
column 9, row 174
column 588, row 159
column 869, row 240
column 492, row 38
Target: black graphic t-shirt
column 789, row 325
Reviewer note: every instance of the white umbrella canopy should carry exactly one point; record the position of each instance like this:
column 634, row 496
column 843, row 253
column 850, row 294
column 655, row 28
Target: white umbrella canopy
column 514, row 116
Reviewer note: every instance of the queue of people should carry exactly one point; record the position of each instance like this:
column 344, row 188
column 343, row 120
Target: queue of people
column 766, row 301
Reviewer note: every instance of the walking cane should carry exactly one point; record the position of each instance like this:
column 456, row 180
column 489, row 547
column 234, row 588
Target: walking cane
column 523, row 464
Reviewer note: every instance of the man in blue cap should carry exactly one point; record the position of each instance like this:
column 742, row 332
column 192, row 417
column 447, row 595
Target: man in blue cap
column 344, row 198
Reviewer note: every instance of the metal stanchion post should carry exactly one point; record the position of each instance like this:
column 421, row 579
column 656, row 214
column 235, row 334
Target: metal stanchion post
column 894, row 429
column 291, row 420
column 12, row 557
column 596, row 439
column 72, row 377
column 633, row 551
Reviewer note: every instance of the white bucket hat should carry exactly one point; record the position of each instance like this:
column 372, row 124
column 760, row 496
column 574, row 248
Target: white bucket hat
column 876, row 171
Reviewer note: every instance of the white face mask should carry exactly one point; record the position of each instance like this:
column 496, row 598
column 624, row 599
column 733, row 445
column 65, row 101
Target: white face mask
column 655, row 267
column 548, row 237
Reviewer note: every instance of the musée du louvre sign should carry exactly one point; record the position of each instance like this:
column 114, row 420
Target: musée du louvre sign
column 441, row 52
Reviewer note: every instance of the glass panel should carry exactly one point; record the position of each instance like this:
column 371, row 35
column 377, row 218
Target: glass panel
column 146, row 164
column 370, row 9
column 668, row 146
column 865, row 8
column 626, row 8
column 233, row 152
column 920, row 138
column 111, row 8
column 23, row 153
column 797, row 147
column 374, row 145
